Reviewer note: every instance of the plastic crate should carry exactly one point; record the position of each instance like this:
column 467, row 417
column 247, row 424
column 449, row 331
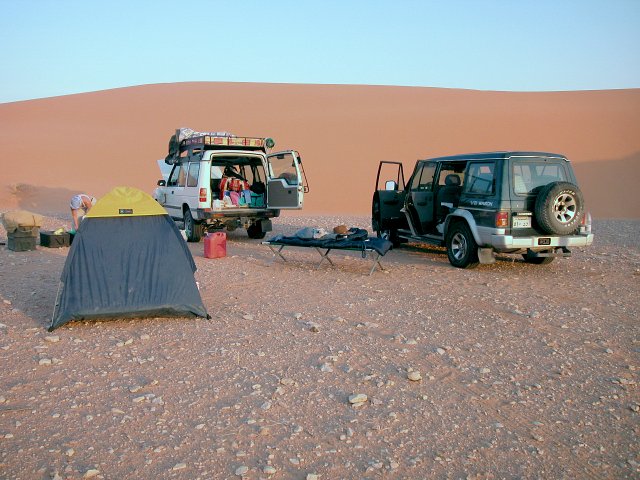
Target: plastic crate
column 54, row 240
column 23, row 239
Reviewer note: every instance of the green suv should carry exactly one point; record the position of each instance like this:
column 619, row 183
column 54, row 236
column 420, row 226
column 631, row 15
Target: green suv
column 480, row 204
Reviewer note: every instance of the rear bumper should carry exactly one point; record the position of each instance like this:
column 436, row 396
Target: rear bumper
column 245, row 212
column 508, row 242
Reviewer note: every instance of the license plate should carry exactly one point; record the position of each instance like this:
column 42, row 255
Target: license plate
column 544, row 241
column 521, row 222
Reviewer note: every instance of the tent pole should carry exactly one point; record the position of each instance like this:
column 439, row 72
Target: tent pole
column 55, row 306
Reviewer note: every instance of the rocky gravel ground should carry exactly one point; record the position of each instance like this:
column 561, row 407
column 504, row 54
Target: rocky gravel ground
column 509, row 370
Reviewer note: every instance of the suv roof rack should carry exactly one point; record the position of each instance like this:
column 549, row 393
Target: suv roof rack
column 186, row 139
column 210, row 142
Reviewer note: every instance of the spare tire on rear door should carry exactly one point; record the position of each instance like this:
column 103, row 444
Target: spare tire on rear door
column 559, row 208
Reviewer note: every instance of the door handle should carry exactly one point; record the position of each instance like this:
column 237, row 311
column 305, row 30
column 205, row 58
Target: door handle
column 421, row 204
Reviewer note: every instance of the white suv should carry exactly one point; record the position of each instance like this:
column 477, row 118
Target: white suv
column 217, row 180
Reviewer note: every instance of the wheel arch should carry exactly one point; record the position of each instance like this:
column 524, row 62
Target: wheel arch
column 463, row 216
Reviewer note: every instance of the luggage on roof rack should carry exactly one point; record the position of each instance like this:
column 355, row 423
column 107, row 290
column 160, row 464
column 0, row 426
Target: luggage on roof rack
column 186, row 138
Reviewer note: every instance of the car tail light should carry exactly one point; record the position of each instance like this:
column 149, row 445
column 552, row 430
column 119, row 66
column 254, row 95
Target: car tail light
column 203, row 195
column 502, row 219
column 586, row 219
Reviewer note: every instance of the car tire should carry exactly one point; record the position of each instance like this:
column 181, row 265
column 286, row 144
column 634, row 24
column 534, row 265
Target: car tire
column 537, row 260
column 191, row 228
column 559, row 208
column 254, row 231
column 462, row 248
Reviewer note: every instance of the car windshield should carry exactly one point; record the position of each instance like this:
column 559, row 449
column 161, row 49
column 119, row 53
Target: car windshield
column 528, row 176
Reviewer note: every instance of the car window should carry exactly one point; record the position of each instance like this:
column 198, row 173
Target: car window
column 527, row 176
column 216, row 172
column 178, row 176
column 423, row 178
column 480, row 179
column 283, row 166
column 446, row 170
column 192, row 176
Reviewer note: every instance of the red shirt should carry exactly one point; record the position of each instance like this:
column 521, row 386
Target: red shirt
column 232, row 185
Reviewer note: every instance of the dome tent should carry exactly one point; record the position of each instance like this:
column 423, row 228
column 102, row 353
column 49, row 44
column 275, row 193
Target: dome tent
column 128, row 259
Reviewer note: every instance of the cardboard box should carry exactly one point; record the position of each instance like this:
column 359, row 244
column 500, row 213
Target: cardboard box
column 53, row 240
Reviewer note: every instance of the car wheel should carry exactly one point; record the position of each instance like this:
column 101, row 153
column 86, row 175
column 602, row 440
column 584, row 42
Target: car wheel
column 191, row 228
column 559, row 208
column 254, row 231
column 537, row 260
column 462, row 249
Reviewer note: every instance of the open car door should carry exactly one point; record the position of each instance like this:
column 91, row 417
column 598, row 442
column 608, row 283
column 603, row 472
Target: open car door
column 388, row 199
column 286, row 185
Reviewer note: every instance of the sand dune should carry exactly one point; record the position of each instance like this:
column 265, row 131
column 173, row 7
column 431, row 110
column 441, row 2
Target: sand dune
column 92, row 142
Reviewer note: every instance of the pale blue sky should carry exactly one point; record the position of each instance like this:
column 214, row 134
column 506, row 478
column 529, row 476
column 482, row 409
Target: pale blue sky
column 50, row 48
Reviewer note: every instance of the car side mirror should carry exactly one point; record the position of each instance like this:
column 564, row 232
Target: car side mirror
column 161, row 183
column 390, row 185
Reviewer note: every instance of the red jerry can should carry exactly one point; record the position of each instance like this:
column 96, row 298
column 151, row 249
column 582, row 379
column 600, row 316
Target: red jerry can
column 215, row 245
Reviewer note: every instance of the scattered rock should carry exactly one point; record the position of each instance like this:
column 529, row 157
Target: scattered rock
column 414, row 376
column 325, row 367
column 357, row 399
column 269, row 470
column 179, row 466
column 91, row 473
column 52, row 338
column 241, row 471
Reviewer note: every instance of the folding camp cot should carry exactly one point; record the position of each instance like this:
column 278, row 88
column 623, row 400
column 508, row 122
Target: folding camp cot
column 368, row 247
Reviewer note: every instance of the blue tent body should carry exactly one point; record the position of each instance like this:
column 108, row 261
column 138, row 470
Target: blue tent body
column 127, row 265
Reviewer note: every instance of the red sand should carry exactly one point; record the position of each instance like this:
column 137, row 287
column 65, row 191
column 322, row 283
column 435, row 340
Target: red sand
column 94, row 141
